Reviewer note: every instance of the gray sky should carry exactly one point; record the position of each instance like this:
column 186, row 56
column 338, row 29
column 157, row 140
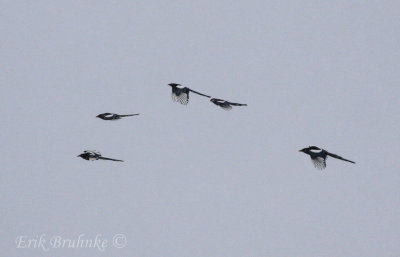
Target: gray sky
column 199, row 181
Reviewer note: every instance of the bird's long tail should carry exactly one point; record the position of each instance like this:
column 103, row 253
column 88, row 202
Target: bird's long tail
column 339, row 157
column 109, row 159
column 199, row 93
column 236, row 104
column 126, row 115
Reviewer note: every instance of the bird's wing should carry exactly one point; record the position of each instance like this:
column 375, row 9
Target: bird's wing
column 199, row 93
column 181, row 98
column 319, row 162
column 339, row 157
column 180, row 95
column 226, row 107
column 105, row 158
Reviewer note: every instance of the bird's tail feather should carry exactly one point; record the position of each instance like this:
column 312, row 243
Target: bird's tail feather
column 126, row 115
column 339, row 157
column 109, row 159
column 199, row 93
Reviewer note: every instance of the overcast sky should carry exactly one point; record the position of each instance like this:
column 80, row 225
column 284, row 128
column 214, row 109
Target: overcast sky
column 197, row 180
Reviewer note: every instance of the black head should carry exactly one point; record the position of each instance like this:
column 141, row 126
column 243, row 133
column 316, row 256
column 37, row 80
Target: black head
column 304, row 150
column 81, row 155
column 103, row 114
column 214, row 100
column 308, row 149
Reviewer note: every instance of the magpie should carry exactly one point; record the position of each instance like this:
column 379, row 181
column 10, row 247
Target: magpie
column 180, row 93
column 113, row 116
column 225, row 104
column 94, row 155
column 318, row 156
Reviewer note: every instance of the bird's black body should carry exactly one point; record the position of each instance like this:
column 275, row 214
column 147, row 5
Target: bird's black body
column 94, row 155
column 180, row 93
column 225, row 104
column 113, row 116
column 318, row 156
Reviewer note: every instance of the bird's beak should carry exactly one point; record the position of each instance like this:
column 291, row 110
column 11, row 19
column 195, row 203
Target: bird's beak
column 300, row 150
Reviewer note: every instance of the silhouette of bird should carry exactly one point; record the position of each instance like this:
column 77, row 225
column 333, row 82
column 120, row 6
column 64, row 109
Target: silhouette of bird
column 94, row 155
column 225, row 104
column 180, row 93
column 113, row 116
column 318, row 156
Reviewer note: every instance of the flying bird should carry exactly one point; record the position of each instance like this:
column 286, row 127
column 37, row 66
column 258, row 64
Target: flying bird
column 94, row 155
column 113, row 116
column 318, row 156
column 180, row 93
column 225, row 104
